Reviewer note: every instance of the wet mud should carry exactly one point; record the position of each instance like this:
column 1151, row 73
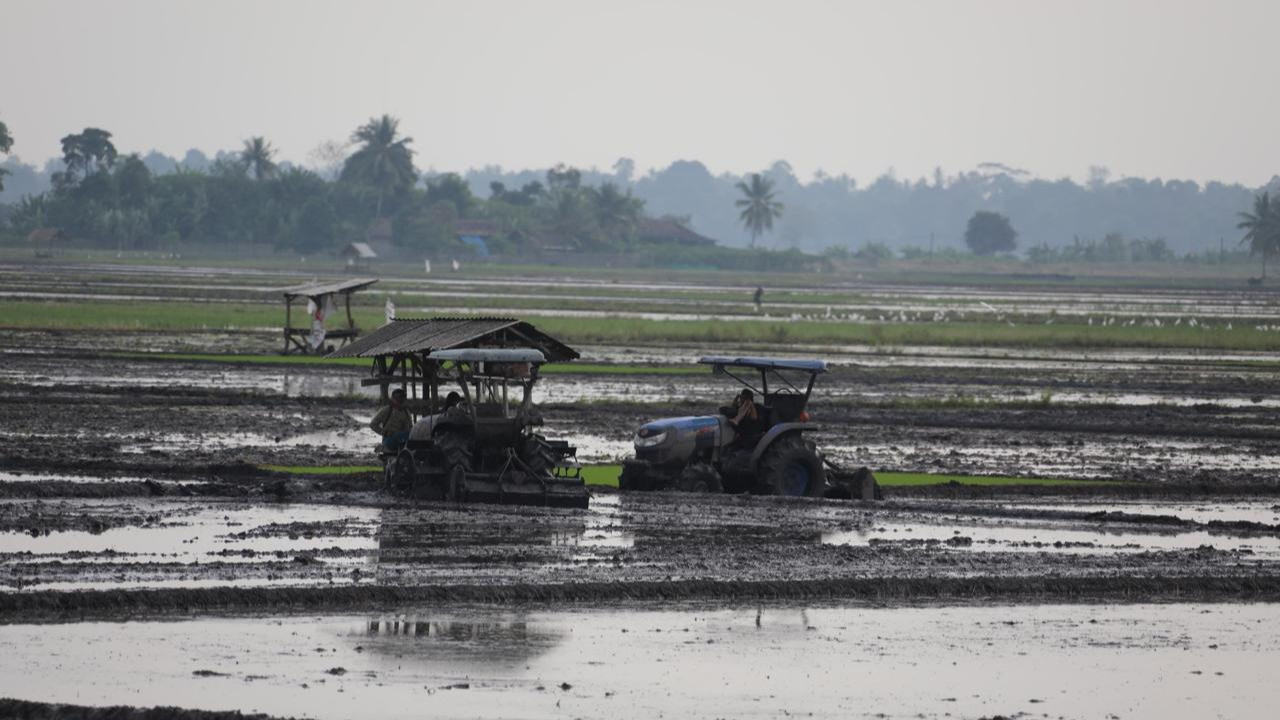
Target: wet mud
column 28, row 710
column 131, row 485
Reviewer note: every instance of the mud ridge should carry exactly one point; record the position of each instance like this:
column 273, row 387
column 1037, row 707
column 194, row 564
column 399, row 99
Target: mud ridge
column 57, row 605
column 1128, row 490
column 27, row 710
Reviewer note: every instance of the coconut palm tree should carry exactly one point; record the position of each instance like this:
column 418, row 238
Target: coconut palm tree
column 256, row 156
column 6, row 142
column 384, row 161
column 616, row 210
column 759, row 208
column 1262, row 229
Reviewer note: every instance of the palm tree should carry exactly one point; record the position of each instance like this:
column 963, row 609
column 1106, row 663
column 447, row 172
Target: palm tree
column 616, row 210
column 384, row 160
column 6, row 142
column 759, row 208
column 256, row 156
column 1262, row 229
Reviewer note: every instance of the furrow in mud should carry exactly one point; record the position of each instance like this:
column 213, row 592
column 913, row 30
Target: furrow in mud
column 28, row 607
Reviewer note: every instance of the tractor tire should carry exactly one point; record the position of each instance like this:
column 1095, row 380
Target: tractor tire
column 401, row 474
column 456, row 450
column 700, row 478
column 791, row 466
column 539, row 456
column 634, row 478
column 455, row 484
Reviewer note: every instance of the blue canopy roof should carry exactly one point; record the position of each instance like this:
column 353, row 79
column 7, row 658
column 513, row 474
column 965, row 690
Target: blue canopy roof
column 812, row 366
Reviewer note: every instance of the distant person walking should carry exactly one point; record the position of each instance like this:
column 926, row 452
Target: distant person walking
column 758, row 297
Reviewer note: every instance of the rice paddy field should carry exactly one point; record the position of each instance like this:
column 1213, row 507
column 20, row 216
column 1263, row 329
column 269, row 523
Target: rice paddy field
column 1080, row 475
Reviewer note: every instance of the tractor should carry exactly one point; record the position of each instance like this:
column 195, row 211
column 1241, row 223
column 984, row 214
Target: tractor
column 709, row 453
column 484, row 448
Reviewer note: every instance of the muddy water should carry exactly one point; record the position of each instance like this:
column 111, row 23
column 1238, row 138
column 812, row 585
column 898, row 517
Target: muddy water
column 1266, row 512
column 1022, row 535
column 157, row 539
column 1079, row 661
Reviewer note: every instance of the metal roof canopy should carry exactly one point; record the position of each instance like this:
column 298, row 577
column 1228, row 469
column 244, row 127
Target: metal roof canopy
column 426, row 336
column 758, row 363
column 314, row 290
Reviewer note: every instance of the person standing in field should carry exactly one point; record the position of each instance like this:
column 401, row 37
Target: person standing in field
column 393, row 422
column 758, row 297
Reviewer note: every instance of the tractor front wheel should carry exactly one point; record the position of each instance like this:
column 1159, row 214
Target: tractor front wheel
column 700, row 478
column 792, row 466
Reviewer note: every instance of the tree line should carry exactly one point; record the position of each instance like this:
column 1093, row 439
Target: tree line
column 246, row 197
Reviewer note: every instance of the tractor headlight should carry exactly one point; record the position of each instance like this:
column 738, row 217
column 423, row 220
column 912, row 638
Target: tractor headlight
column 648, row 441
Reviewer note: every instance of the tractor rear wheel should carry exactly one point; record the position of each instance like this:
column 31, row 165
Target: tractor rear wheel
column 456, row 451
column 791, row 466
column 538, row 455
column 700, row 478
column 401, row 474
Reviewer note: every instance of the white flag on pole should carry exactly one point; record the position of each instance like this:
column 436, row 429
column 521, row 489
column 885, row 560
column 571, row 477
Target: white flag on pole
column 391, row 310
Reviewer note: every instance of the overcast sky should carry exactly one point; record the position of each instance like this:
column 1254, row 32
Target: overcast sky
column 1165, row 88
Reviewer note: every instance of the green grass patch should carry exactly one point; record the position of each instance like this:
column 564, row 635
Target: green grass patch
column 322, row 469
column 606, row 475
column 195, row 316
column 892, row 479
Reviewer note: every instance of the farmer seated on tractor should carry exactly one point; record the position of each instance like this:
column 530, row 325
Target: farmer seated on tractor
column 393, row 422
column 425, row 426
column 744, row 415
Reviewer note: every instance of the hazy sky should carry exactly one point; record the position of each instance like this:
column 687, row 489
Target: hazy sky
column 1164, row 88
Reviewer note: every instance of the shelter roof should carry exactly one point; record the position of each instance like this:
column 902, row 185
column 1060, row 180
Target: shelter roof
column 46, row 234
column 360, row 250
column 812, row 366
column 318, row 289
column 667, row 230
column 477, row 228
column 404, row 336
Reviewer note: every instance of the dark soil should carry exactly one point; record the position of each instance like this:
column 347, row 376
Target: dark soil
column 173, row 432
column 25, row 710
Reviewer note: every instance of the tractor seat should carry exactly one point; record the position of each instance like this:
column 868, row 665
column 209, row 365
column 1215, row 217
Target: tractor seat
column 785, row 407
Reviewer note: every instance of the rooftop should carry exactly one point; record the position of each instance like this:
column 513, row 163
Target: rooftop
column 404, row 336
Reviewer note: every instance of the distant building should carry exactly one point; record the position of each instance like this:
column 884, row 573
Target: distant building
column 358, row 255
column 476, row 234
column 43, row 239
column 668, row 230
column 378, row 236
column 44, row 236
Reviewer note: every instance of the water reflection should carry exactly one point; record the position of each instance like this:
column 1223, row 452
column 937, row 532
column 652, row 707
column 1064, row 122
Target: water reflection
column 428, row 636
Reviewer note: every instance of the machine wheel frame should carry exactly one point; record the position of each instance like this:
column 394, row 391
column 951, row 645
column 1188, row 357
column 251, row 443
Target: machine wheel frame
column 787, row 463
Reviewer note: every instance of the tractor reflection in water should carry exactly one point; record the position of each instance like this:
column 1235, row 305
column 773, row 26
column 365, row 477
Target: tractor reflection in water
column 484, row 448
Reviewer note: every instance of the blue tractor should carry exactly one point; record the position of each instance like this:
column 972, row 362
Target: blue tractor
column 709, row 453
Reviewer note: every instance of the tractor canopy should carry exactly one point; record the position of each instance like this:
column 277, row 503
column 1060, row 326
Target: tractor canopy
column 757, row 363
column 493, row 355
column 784, row 385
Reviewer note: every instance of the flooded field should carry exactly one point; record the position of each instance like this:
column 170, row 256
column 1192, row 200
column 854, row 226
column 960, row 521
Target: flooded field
column 1061, row 661
column 169, row 535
